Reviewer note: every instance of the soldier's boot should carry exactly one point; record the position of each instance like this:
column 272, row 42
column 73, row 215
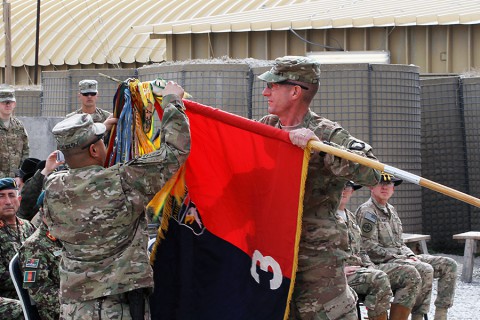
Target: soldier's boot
column 399, row 312
column 382, row 316
column 417, row 316
column 441, row 314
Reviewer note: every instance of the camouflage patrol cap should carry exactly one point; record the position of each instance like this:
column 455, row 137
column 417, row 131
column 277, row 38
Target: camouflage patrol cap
column 87, row 86
column 7, row 93
column 297, row 68
column 77, row 131
column 7, row 184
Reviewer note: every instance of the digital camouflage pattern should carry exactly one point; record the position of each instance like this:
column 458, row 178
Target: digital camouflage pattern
column 87, row 86
column 382, row 239
column 98, row 214
column 10, row 309
column 10, row 242
column 113, row 307
column 39, row 258
column 366, row 281
column 7, row 93
column 99, row 116
column 404, row 280
column 15, row 149
column 321, row 289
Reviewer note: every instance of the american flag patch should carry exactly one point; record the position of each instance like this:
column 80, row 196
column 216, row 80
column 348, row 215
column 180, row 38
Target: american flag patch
column 29, row 276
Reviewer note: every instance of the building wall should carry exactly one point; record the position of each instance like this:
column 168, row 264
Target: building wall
column 434, row 49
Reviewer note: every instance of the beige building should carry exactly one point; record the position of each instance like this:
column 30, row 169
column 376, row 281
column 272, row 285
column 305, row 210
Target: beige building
column 440, row 36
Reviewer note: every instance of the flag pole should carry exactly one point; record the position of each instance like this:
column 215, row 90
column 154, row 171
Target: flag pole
column 407, row 176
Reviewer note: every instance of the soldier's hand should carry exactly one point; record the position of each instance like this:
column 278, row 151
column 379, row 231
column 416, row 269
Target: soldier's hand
column 349, row 270
column 173, row 88
column 300, row 137
column 110, row 122
column 51, row 163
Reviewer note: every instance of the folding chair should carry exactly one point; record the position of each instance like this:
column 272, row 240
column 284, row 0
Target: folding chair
column 29, row 308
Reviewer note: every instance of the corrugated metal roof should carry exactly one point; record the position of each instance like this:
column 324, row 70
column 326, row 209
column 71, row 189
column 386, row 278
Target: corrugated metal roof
column 99, row 31
column 326, row 14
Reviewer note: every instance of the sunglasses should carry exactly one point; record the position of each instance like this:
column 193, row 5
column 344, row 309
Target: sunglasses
column 270, row 84
column 93, row 94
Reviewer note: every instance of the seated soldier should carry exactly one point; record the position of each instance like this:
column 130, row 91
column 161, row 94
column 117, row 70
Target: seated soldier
column 39, row 259
column 13, row 232
column 382, row 239
column 376, row 283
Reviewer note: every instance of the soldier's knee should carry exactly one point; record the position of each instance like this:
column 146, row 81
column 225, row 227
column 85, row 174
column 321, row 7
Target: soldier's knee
column 451, row 264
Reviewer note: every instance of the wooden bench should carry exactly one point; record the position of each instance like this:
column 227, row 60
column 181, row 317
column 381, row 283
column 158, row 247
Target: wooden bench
column 470, row 238
column 417, row 238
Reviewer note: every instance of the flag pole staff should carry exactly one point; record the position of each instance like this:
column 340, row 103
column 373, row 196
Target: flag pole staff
column 407, row 176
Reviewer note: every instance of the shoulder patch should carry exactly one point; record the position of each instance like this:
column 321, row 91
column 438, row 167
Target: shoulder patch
column 371, row 217
column 29, row 276
column 357, row 145
column 32, row 263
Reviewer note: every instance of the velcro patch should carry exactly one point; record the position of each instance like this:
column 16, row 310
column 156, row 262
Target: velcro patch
column 371, row 217
column 357, row 145
column 32, row 263
column 29, row 276
column 367, row 228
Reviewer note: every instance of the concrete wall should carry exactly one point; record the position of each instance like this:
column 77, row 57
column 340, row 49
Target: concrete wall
column 40, row 136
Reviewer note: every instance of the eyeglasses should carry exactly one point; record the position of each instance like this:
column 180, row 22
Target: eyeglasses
column 98, row 138
column 86, row 94
column 270, row 84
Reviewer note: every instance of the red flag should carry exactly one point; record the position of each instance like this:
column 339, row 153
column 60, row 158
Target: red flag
column 246, row 180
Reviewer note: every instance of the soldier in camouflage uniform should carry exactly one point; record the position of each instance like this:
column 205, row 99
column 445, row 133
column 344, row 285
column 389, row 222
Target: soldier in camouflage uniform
column 98, row 214
column 382, row 239
column 13, row 136
column 39, row 258
column 88, row 95
column 13, row 232
column 33, row 188
column 369, row 280
column 321, row 290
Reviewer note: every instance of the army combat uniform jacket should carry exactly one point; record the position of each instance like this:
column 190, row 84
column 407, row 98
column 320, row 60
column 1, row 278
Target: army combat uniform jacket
column 10, row 242
column 323, row 241
column 98, row 215
column 367, row 280
column 39, row 259
column 382, row 239
column 15, row 149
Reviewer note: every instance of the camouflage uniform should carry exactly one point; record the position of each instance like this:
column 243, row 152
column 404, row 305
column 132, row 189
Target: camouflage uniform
column 98, row 214
column 91, row 86
column 39, row 259
column 10, row 242
column 321, row 290
column 11, row 309
column 366, row 281
column 404, row 280
column 15, row 149
column 382, row 238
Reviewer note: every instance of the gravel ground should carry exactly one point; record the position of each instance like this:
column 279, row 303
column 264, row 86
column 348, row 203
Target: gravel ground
column 467, row 295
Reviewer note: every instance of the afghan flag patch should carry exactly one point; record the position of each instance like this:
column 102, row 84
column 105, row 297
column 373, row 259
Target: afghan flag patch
column 29, row 276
